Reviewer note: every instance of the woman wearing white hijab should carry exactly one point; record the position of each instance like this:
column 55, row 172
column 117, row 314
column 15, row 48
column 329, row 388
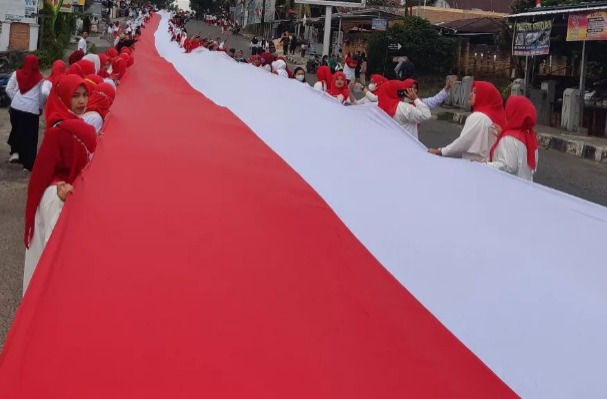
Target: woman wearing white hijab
column 94, row 58
column 279, row 67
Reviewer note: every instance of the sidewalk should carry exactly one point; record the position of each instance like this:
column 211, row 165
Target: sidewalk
column 587, row 147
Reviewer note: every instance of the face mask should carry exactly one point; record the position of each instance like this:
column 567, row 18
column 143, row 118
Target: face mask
column 372, row 86
column 299, row 77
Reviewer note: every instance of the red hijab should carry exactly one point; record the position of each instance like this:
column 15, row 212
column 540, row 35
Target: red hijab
column 489, row 101
column 266, row 58
column 90, row 81
column 118, row 68
column 75, row 56
column 388, row 95
column 61, row 94
column 103, row 59
column 125, row 50
column 81, row 68
column 58, row 70
column 64, row 152
column 112, row 53
column 29, row 75
column 521, row 117
column 378, row 80
column 323, row 74
column 334, row 91
column 101, row 99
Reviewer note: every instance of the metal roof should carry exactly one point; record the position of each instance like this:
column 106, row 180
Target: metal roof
column 596, row 6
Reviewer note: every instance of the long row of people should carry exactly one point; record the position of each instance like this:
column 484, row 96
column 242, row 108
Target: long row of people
column 501, row 138
column 76, row 101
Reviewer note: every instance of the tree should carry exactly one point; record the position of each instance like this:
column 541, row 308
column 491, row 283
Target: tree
column 431, row 52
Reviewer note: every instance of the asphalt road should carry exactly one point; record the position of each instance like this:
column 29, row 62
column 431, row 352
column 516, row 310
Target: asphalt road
column 563, row 172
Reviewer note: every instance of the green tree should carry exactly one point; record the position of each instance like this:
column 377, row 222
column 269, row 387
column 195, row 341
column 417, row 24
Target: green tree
column 431, row 53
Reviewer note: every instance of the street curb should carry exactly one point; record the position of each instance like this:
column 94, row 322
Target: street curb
column 547, row 140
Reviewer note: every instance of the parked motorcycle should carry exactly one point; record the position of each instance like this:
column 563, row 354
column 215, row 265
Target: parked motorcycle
column 5, row 100
column 313, row 64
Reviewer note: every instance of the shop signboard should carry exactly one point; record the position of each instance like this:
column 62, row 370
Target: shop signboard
column 588, row 26
column 532, row 38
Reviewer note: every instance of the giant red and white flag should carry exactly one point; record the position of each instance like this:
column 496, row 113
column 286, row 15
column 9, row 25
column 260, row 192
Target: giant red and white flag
column 239, row 235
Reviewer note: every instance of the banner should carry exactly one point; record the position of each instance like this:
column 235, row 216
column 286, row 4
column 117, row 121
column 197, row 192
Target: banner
column 592, row 26
column 532, row 38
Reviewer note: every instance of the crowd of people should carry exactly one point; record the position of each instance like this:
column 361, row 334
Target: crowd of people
column 75, row 100
column 501, row 137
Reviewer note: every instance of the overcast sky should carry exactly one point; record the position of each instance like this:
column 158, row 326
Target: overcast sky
column 184, row 4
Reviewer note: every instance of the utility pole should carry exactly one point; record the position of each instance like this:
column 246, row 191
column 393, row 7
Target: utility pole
column 263, row 18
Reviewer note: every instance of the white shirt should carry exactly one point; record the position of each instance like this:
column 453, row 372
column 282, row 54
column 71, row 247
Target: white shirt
column 320, row 86
column 349, row 72
column 82, row 44
column 437, row 100
column 32, row 101
column 475, row 141
column 409, row 116
column 510, row 156
column 45, row 88
column 94, row 119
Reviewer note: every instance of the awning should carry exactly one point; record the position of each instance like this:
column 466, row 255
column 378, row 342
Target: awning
column 552, row 11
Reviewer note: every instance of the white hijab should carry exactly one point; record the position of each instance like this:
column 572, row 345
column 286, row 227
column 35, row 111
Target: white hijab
column 94, row 58
column 280, row 68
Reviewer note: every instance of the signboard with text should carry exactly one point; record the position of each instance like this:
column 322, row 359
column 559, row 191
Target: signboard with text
column 590, row 26
column 532, row 39
column 379, row 24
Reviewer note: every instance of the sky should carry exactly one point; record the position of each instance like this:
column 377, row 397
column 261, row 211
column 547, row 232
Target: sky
column 184, row 4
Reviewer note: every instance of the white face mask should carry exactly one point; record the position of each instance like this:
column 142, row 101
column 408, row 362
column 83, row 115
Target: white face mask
column 372, row 86
column 300, row 77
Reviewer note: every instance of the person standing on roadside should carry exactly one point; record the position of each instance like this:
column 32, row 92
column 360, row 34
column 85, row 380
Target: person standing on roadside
column 408, row 114
column 285, row 43
column 293, row 45
column 480, row 131
column 405, row 68
column 82, row 45
column 24, row 88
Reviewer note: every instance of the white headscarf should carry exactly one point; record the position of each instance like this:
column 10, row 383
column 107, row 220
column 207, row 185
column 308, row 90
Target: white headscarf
column 280, row 68
column 94, row 58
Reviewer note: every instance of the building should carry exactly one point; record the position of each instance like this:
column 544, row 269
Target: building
column 438, row 15
column 501, row 6
column 19, row 25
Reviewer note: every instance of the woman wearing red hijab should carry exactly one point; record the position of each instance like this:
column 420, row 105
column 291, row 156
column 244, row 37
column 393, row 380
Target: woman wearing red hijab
column 338, row 88
column 375, row 82
column 75, row 56
column 481, row 128
column 91, row 81
column 323, row 78
column 112, row 53
column 118, row 69
column 82, row 68
column 24, row 87
column 515, row 151
column 100, row 101
column 104, row 60
column 58, row 70
column 400, row 101
column 66, row 149
column 266, row 61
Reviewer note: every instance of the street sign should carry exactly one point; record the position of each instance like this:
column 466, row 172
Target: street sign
column 379, row 24
column 394, row 46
